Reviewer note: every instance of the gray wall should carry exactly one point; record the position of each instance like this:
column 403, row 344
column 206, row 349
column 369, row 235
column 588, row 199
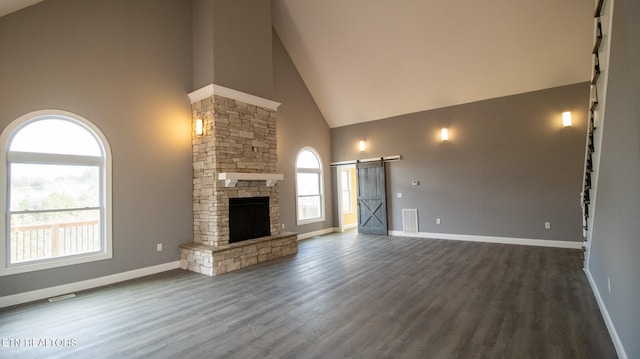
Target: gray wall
column 615, row 248
column 126, row 66
column 202, row 26
column 242, row 51
column 300, row 124
column 232, row 45
column 508, row 167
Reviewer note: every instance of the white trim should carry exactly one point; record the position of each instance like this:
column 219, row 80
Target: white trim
column 372, row 159
column 341, row 189
column 343, row 163
column 617, row 343
column 339, row 169
column 317, row 233
column 340, row 199
column 490, row 239
column 44, row 293
column 53, row 158
column 212, row 90
column 232, row 178
column 56, row 262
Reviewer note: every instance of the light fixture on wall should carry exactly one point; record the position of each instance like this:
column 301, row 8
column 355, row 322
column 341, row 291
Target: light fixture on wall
column 566, row 119
column 199, row 127
column 444, row 134
column 361, row 146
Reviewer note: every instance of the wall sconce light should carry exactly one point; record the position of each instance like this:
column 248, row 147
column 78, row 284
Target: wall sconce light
column 444, row 134
column 199, row 127
column 566, row 119
column 362, row 146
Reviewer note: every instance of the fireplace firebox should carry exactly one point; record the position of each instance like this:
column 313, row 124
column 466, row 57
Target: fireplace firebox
column 248, row 218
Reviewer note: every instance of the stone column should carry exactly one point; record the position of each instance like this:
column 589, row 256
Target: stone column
column 238, row 137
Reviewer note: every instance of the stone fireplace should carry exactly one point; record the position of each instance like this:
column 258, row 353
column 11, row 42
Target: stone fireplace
column 234, row 160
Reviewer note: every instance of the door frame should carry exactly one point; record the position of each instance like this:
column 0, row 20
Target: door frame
column 353, row 163
column 341, row 226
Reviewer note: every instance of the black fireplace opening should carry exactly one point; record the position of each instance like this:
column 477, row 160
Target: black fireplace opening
column 248, row 218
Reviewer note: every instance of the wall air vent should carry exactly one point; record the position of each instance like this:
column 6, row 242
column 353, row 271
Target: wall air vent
column 410, row 220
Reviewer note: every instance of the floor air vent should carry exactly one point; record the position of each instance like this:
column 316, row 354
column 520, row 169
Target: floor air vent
column 410, row 220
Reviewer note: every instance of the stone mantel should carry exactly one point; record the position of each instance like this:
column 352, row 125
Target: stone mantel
column 232, row 178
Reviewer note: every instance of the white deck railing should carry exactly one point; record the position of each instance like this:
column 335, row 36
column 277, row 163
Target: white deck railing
column 36, row 242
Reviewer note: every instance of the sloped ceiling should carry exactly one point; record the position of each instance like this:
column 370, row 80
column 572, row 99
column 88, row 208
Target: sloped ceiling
column 364, row 60
column 9, row 6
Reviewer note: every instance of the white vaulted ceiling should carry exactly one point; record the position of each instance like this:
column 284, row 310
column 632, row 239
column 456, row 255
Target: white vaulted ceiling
column 364, row 60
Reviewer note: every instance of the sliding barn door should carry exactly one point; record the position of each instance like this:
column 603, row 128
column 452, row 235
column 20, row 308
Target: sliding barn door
column 372, row 204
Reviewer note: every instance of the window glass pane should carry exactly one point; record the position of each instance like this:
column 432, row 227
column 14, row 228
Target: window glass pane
column 346, row 190
column 308, row 184
column 55, row 136
column 44, row 187
column 56, row 179
column 307, row 159
column 346, row 201
column 309, row 207
column 36, row 236
column 346, row 181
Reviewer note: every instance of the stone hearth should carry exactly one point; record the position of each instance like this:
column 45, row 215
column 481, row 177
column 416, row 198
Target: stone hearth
column 239, row 142
column 213, row 260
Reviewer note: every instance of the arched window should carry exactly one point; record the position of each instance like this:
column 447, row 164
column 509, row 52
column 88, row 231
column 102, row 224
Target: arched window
column 309, row 187
column 56, row 172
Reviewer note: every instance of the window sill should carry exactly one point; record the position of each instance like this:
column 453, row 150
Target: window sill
column 53, row 263
column 309, row 221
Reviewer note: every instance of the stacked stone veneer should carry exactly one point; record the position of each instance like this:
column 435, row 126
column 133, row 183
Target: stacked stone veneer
column 211, row 260
column 238, row 137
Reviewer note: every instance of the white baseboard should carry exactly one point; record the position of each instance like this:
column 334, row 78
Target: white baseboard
column 617, row 343
column 44, row 293
column 490, row 239
column 317, row 233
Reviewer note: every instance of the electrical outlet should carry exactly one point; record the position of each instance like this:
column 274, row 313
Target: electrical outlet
column 159, row 247
column 437, row 220
column 282, row 225
column 547, row 225
column 399, row 195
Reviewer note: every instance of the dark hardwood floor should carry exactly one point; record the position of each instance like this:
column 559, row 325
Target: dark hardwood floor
column 342, row 295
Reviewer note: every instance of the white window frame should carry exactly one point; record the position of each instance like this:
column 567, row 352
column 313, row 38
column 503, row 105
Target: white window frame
column 346, row 189
column 320, row 173
column 105, row 206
